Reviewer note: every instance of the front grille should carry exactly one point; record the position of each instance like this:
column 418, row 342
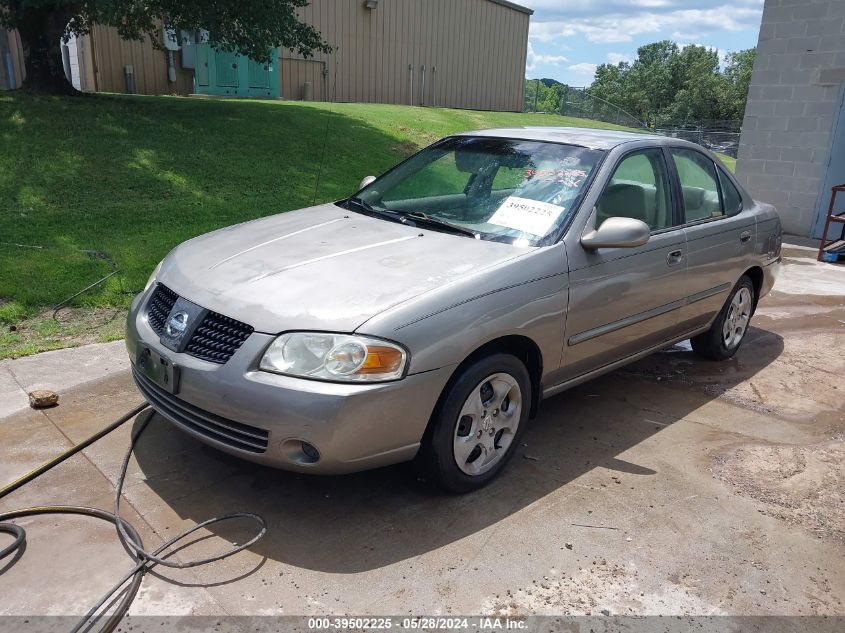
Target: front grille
column 159, row 306
column 240, row 436
column 215, row 340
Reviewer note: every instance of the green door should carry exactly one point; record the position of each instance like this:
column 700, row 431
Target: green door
column 225, row 73
column 259, row 75
column 201, row 70
column 226, row 67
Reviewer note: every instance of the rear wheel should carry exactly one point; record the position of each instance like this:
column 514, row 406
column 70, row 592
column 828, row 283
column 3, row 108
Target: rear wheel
column 478, row 424
column 726, row 334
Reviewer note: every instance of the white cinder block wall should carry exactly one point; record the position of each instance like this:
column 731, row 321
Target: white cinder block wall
column 794, row 97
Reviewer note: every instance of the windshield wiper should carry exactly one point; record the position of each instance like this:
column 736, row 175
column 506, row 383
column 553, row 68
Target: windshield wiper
column 362, row 206
column 419, row 219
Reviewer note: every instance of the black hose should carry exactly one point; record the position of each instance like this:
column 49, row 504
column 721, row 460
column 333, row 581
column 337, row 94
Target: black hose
column 58, row 459
column 128, row 535
column 20, row 538
column 132, row 590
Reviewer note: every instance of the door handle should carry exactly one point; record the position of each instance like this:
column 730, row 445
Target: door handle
column 744, row 236
column 675, row 257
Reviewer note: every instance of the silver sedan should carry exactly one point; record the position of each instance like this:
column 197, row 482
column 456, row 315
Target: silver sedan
column 428, row 315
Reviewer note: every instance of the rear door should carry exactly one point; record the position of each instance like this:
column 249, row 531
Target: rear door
column 719, row 234
column 625, row 300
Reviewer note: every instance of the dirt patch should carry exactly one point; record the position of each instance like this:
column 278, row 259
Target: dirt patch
column 406, row 148
column 599, row 588
column 71, row 327
column 800, row 485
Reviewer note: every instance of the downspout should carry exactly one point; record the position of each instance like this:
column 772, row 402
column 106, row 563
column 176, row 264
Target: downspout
column 10, row 71
column 6, row 55
column 422, row 87
column 171, row 68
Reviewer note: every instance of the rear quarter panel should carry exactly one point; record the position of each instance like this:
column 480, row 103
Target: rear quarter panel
column 767, row 246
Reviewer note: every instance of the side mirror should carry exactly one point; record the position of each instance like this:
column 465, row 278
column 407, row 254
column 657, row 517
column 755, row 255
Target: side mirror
column 617, row 233
column 366, row 182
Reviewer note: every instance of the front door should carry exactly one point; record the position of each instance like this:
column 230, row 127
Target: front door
column 626, row 300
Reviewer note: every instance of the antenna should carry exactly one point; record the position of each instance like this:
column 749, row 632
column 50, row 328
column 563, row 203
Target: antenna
column 329, row 113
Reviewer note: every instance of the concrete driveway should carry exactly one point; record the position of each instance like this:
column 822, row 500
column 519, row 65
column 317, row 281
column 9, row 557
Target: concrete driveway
column 674, row 486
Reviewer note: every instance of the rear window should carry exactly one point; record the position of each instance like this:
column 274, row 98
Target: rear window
column 731, row 198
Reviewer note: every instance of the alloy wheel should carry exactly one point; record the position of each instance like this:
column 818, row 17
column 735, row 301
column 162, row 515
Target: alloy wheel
column 487, row 423
column 737, row 318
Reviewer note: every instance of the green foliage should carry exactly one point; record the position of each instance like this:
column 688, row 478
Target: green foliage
column 668, row 83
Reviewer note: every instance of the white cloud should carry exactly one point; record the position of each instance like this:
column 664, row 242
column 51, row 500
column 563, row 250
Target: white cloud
column 617, row 58
column 622, row 27
column 534, row 59
column 584, row 69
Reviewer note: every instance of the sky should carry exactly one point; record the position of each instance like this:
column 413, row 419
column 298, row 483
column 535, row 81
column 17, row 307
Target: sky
column 569, row 38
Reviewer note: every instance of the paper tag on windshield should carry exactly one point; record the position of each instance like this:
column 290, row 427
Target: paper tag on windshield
column 526, row 215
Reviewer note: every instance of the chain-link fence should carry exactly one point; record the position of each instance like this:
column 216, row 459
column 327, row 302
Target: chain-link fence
column 575, row 101
column 719, row 136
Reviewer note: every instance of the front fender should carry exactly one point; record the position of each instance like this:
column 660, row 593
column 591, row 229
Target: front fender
column 443, row 330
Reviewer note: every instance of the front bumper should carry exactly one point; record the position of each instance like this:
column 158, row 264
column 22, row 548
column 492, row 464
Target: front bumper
column 264, row 417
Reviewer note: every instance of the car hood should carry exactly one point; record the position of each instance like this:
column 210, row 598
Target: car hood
column 321, row 268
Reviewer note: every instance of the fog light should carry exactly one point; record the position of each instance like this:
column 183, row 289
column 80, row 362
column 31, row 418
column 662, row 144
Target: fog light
column 311, row 452
column 300, row 452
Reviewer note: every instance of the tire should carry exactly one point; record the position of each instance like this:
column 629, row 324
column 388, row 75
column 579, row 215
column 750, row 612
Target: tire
column 734, row 317
column 471, row 437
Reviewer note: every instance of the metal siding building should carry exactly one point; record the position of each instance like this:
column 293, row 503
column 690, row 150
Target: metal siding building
column 451, row 53
column 792, row 148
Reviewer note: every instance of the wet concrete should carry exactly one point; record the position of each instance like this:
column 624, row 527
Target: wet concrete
column 682, row 486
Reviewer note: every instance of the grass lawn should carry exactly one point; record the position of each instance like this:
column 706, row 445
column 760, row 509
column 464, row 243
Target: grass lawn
column 134, row 176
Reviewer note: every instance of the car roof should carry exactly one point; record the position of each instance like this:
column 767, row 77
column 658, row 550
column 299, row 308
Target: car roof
column 585, row 137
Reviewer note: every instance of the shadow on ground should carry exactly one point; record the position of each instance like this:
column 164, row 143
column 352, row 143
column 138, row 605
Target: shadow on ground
column 364, row 521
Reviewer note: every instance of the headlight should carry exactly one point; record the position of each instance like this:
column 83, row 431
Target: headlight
column 337, row 357
column 153, row 276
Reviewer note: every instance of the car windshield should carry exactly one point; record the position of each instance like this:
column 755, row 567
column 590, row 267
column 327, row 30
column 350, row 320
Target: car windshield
column 497, row 189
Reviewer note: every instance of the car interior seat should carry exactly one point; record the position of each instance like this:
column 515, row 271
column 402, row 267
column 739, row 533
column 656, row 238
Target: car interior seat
column 623, row 200
column 700, row 203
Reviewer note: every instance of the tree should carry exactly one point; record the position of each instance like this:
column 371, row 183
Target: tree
column 250, row 27
column 738, row 74
column 667, row 83
column 700, row 87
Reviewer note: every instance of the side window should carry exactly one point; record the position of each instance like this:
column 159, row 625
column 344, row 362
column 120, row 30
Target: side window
column 639, row 188
column 699, row 186
column 731, row 198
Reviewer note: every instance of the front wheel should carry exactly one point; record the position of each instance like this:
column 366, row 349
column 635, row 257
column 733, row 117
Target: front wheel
column 724, row 337
column 477, row 426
